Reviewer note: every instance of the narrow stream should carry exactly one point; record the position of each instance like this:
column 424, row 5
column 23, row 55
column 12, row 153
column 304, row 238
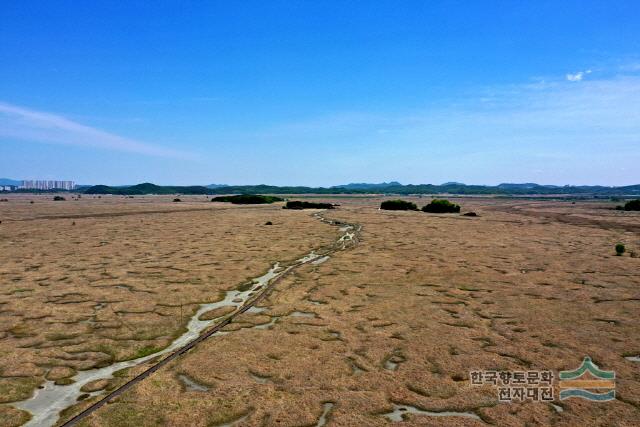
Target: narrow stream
column 397, row 415
column 47, row 402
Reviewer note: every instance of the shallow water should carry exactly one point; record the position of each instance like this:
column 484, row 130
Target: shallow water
column 303, row 314
column 236, row 422
column 557, row 408
column 259, row 378
column 191, row 385
column 400, row 410
column 326, row 409
column 633, row 358
column 47, row 402
column 320, row 260
column 355, row 368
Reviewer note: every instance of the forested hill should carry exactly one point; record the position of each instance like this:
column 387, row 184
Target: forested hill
column 385, row 188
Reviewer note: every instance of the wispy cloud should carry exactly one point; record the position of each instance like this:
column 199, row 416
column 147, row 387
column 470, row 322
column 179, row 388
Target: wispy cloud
column 574, row 133
column 37, row 126
column 576, row 77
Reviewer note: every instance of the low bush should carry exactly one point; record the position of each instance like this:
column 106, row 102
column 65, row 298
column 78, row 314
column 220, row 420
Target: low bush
column 177, row 200
column 297, row 204
column 441, row 206
column 247, row 199
column 620, row 249
column 59, row 198
column 632, row 205
column 470, row 214
column 398, row 205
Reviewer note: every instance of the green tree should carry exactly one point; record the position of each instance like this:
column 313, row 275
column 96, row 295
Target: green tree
column 398, row 205
column 441, row 206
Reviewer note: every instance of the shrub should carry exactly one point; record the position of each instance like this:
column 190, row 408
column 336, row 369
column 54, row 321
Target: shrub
column 59, row 198
column 441, row 206
column 4, row 200
column 398, row 205
column 470, row 214
column 297, row 204
column 268, row 223
column 632, row 205
column 177, row 200
column 620, row 249
column 247, row 199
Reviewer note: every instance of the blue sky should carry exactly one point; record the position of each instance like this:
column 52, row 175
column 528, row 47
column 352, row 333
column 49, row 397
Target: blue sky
column 321, row 92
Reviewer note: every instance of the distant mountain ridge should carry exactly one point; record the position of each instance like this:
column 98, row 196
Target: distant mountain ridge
column 148, row 188
column 9, row 181
column 363, row 188
column 367, row 186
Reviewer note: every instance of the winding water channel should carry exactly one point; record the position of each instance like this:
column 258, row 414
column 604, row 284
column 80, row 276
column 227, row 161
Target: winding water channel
column 47, row 402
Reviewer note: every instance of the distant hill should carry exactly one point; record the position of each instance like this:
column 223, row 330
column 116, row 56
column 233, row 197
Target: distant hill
column 8, row 181
column 384, row 188
column 524, row 186
column 366, row 186
column 216, row 185
column 147, row 188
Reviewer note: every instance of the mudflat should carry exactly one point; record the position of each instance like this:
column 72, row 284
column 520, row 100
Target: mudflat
column 384, row 332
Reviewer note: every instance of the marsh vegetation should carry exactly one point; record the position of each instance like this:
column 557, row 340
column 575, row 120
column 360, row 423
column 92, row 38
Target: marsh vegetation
column 441, row 206
column 247, row 199
column 297, row 204
column 398, row 205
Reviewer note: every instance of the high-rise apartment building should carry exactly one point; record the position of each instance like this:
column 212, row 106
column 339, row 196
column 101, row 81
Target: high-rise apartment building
column 47, row 185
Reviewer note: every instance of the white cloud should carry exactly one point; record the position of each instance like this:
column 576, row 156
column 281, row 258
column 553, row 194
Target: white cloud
column 36, row 126
column 577, row 76
column 580, row 133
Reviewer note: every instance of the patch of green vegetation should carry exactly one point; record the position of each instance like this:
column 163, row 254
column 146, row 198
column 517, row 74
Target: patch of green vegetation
column 620, row 249
column 441, row 206
column 297, row 204
column 247, row 199
column 131, row 415
column 12, row 417
column 15, row 389
column 59, row 199
column 145, row 351
column 122, row 373
column 398, row 205
column 244, row 287
column 225, row 414
column 57, row 336
column 23, row 331
column 631, row 205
